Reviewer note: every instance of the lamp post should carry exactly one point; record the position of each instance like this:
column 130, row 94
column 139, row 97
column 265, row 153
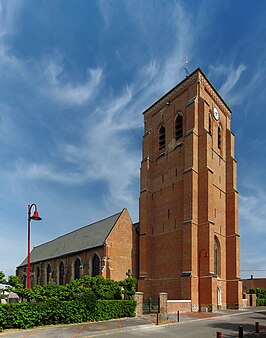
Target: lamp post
column 205, row 254
column 34, row 217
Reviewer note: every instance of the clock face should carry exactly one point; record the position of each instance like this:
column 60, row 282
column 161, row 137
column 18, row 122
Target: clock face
column 215, row 113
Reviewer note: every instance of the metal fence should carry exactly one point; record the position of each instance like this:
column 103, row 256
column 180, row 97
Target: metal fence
column 151, row 305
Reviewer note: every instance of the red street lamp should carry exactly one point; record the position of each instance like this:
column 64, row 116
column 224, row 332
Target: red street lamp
column 34, row 217
column 205, row 254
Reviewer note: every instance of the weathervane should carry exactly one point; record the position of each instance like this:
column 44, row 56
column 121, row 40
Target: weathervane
column 186, row 67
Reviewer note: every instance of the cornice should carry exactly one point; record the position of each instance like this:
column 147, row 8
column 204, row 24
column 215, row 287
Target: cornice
column 196, row 77
column 213, row 94
column 172, row 94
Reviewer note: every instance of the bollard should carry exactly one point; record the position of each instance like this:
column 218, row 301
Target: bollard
column 218, row 334
column 257, row 327
column 177, row 316
column 240, row 330
column 157, row 318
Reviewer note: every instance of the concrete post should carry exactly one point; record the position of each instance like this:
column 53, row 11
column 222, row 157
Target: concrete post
column 253, row 298
column 163, row 296
column 138, row 297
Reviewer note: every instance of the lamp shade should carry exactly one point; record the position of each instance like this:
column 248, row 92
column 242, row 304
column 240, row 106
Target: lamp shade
column 36, row 216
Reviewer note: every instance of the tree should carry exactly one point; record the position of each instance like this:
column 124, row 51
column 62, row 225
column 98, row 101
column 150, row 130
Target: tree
column 2, row 277
column 13, row 281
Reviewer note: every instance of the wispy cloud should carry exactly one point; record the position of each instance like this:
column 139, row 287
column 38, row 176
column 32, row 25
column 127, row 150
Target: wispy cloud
column 8, row 14
column 231, row 77
column 60, row 89
column 252, row 211
column 252, row 215
column 106, row 150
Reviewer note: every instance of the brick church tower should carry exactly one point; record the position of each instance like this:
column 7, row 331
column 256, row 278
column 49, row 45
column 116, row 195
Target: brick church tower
column 189, row 242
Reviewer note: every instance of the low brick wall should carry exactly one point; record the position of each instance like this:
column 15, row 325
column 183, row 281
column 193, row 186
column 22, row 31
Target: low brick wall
column 178, row 305
column 249, row 300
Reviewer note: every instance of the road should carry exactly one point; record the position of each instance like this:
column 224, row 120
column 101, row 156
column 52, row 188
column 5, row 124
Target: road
column 190, row 325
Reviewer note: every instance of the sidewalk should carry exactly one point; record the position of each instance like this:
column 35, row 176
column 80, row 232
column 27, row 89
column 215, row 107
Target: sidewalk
column 193, row 316
column 116, row 326
column 78, row 330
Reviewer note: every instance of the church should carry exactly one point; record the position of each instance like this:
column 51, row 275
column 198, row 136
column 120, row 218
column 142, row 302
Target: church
column 186, row 242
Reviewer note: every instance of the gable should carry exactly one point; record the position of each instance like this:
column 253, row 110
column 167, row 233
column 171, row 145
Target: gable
column 87, row 237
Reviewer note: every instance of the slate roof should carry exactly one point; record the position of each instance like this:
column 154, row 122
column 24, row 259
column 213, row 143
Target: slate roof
column 89, row 236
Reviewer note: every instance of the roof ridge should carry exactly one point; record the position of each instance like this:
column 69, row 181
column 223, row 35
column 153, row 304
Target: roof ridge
column 84, row 226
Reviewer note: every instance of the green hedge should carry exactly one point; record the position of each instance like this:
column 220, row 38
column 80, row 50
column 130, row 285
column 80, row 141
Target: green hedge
column 27, row 315
column 261, row 296
column 261, row 301
column 109, row 309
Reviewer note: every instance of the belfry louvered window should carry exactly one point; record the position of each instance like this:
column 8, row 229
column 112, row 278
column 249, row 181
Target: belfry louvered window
column 219, row 137
column 179, row 126
column 162, row 137
column 210, row 124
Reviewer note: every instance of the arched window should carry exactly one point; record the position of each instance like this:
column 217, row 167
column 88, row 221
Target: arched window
column 219, row 137
column 219, row 296
column 95, row 265
column 216, row 257
column 38, row 275
column 48, row 273
column 61, row 273
column 179, row 126
column 77, row 269
column 161, row 136
column 24, row 280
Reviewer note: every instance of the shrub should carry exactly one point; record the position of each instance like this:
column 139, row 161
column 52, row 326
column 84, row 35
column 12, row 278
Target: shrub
column 260, row 293
column 109, row 309
column 129, row 287
column 102, row 288
column 261, row 301
column 261, row 296
column 27, row 315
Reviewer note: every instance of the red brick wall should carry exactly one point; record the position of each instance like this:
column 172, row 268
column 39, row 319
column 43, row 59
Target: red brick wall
column 188, row 197
column 120, row 249
column 252, row 283
column 117, row 256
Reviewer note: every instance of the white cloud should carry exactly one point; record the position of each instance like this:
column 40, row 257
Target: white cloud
column 232, row 76
column 65, row 91
column 252, row 215
column 106, row 150
column 8, row 15
column 252, row 210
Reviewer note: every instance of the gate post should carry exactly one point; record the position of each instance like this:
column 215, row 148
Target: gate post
column 138, row 297
column 163, row 296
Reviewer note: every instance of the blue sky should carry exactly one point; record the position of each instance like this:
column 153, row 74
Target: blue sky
column 75, row 77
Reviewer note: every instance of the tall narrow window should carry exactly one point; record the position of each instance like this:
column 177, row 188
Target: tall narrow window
column 77, row 269
column 210, row 124
column 48, row 274
column 24, row 281
column 178, row 127
column 216, row 257
column 219, row 137
column 38, row 276
column 161, row 137
column 61, row 273
column 95, row 266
